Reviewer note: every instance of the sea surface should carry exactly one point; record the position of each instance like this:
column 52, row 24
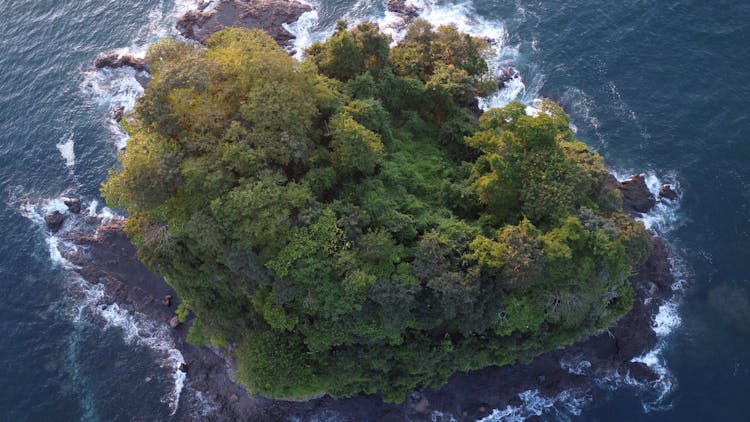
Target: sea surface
column 659, row 87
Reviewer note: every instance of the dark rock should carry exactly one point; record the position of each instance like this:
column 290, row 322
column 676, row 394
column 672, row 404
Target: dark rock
column 507, row 74
column 75, row 257
column 667, row 192
column 268, row 15
column 636, row 198
column 54, row 221
column 640, row 372
column 183, row 367
column 174, row 322
column 167, row 301
column 116, row 61
column 143, row 78
column 117, row 113
column 400, row 7
column 73, row 204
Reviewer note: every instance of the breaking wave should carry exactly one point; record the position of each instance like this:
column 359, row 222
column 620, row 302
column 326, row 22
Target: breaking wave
column 568, row 402
column 90, row 300
column 309, row 29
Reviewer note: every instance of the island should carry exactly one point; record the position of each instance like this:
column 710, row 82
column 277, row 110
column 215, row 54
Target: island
column 352, row 225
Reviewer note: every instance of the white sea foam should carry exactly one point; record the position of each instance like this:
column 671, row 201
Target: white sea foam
column 138, row 329
column 88, row 298
column 576, row 366
column 67, row 151
column 307, row 29
column 438, row 416
column 665, row 216
column 304, row 32
column 661, row 220
column 568, row 402
column 112, row 88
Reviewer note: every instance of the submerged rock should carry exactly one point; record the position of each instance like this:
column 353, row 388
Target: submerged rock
column 636, row 198
column 54, row 221
column 269, row 15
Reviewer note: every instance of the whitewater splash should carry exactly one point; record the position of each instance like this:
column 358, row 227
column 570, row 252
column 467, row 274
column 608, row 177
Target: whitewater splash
column 663, row 218
column 120, row 88
column 90, row 300
column 308, row 29
column 568, row 402
column 67, row 151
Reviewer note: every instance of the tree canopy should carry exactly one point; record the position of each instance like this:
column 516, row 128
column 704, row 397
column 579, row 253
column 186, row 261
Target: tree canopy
column 347, row 224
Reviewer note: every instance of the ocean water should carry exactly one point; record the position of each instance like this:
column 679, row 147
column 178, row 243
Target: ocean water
column 656, row 87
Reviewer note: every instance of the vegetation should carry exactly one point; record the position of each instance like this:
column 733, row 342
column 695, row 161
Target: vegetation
column 349, row 225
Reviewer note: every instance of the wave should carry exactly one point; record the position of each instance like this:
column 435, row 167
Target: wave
column 67, row 151
column 112, row 89
column 120, row 88
column 90, row 300
column 138, row 329
column 307, row 29
column 568, row 402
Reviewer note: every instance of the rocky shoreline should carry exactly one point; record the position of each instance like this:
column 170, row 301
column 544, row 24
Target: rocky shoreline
column 109, row 258
column 269, row 15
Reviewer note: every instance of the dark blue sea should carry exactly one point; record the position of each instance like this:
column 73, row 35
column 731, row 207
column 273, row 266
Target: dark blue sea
column 658, row 87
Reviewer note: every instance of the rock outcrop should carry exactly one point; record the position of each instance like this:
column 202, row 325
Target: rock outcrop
column 269, row 15
column 73, row 204
column 117, row 113
column 402, row 8
column 507, row 74
column 54, row 221
column 116, row 61
column 668, row 192
column 636, row 198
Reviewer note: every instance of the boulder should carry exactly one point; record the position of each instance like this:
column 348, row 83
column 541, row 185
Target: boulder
column 668, row 192
column 507, row 74
column 641, row 372
column 116, row 61
column 183, row 367
column 54, row 221
column 636, row 198
column 268, row 15
column 400, row 7
column 117, row 113
column 73, row 204
column 174, row 322
column 167, row 301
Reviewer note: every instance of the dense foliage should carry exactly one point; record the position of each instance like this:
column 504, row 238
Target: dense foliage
column 347, row 224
